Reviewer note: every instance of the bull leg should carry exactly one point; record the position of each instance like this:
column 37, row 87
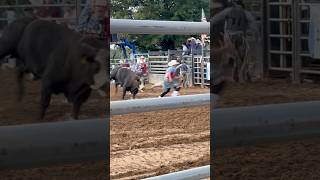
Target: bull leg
column 116, row 86
column 81, row 97
column 235, row 72
column 20, row 85
column 45, row 101
column 76, row 110
column 124, row 89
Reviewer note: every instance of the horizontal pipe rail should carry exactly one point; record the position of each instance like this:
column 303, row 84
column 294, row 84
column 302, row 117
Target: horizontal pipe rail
column 36, row 145
column 158, row 27
column 190, row 174
column 156, row 104
column 265, row 123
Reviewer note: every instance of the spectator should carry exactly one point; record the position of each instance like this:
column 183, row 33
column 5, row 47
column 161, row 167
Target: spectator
column 70, row 13
column 184, row 49
column 144, row 71
column 46, row 12
column 189, row 46
column 198, row 47
column 143, row 66
column 134, row 66
column 93, row 19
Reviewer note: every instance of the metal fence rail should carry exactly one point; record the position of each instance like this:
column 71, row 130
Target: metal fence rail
column 36, row 145
column 158, row 27
column 265, row 123
column 156, row 104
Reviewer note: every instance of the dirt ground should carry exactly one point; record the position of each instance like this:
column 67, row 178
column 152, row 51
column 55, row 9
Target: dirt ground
column 296, row 160
column 155, row 143
column 13, row 113
column 138, row 141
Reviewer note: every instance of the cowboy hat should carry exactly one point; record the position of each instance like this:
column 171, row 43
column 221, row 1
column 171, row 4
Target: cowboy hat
column 101, row 2
column 173, row 62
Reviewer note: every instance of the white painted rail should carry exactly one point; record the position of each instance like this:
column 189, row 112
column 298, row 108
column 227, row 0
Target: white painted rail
column 158, row 27
column 156, row 104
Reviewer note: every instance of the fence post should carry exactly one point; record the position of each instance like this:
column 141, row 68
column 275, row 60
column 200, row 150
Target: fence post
column 78, row 9
column 202, row 71
column 193, row 69
column 202, row 67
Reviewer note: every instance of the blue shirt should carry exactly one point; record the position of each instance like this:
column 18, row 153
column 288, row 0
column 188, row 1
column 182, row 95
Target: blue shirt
column 87, row 22
column 171, row 69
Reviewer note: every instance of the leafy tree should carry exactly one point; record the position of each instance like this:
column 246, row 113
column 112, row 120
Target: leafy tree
column 175, row 10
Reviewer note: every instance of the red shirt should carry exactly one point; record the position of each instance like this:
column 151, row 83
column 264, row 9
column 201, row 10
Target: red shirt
column 144, row 68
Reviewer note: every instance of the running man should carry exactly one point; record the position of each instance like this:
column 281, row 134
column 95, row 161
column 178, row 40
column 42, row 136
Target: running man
column 171, row 79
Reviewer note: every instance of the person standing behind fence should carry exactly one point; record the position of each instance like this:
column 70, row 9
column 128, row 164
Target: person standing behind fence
column 49, row 11
column 184, row 49
column 184, row 70
column 93, row 19
column 170, row 79
column 144, row 71
column 134, row 66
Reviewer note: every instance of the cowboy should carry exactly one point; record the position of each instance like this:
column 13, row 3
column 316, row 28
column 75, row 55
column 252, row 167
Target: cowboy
column 171, row 79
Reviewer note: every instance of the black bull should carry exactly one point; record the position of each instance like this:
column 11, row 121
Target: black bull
column 65, row 61
column 127, row 79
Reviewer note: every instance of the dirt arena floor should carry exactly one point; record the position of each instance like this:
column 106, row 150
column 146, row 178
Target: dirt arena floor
column 139, row 142
column 155, row 143
column 296, row 160
column 14, row 113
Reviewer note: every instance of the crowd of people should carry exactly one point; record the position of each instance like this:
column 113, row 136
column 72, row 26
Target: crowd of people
column 192, row 45
column 92, row 21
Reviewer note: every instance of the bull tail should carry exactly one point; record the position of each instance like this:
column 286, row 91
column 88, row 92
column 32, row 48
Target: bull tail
column 11, row 36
